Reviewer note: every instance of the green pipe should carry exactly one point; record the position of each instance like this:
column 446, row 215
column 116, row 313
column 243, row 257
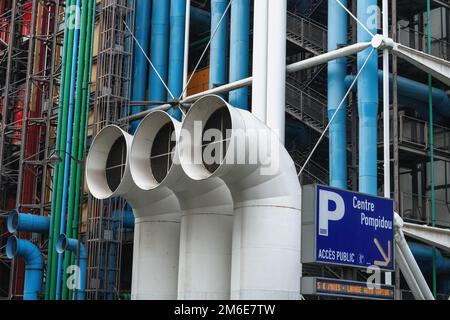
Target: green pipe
column 432, row 169
column 60, row 149
column 83, row 122
column 75, row 158
column 84, row 117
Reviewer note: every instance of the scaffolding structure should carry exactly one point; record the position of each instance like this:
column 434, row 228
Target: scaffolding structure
column 28, row 116
column 31, row 38
column 104, row 220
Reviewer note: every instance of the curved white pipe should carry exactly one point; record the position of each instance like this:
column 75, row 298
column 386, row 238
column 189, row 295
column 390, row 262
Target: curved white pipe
column 157, row 224
column 266, row 194
column 206, row 206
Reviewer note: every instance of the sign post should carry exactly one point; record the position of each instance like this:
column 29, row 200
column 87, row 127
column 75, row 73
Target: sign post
column 347, row 228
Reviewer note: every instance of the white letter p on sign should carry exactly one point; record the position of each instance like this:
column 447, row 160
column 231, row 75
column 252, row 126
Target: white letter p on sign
column 325, row 213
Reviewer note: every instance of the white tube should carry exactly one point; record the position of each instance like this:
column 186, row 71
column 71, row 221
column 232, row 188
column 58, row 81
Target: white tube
column 260, row 25
column 417, row 275
column 386, row 116
column 157, row 224
column 207, row 209
column 266, row 194
column 276, row 69
column 407, row 273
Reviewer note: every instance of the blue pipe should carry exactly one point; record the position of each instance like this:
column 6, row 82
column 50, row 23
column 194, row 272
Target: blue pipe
column 34, row 265
column 73, row 245
column 414, row 94
column 424, row 255
column 337, row 70
column 218, row 50
column 127, row 218
column 140, row 63
column 159, row 49
column 67, row 158
column 239, row 50
column 23, row 222
column 367, row 101
column 176, row 51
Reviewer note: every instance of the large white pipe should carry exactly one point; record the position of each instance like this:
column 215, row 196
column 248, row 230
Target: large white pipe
column 276, row 68
column 260, row 24
column 157, row 224
column 207, row 209
column 266, row 194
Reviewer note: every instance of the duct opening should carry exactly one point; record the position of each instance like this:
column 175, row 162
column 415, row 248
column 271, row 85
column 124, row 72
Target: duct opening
column 61, row 243
column 106, row 163
column 215, row 143
column 161, row 156
column 11, row 247
column 115, row 164
column 202, row 153
column 13, row 221
column 152, row 152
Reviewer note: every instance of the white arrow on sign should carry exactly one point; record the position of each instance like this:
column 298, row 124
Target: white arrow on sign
column 387, row 258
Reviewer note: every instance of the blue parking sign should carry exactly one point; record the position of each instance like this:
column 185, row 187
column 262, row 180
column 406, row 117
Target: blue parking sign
column 350, row 228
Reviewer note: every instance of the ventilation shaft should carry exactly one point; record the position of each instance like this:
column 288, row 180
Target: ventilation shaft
column 157, row 224
column 206, row 206
column 266, row 192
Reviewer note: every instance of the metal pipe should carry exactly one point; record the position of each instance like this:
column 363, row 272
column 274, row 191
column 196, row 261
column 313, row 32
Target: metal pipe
column 368, row 101
column 61, row 134
column 67, row 244
column 407, row 274
column 386, row 106
column 206, row 209
column 239, row 50
column 22, row 222
column 140, row 65
column 260, row 42
column 276, row 69
column 34, row 265
column 409, row 259
column 177, row 51
column 66, row 157
column 415, row 94
column 265, row 190
column 75, row 157
column 337, row 70
column 157, row 223
column 218, row 49
column 292, row 68
column 159, row 50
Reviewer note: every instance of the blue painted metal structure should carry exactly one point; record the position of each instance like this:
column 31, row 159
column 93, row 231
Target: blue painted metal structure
column 414, row 94
column 77, row 247
column 239, row 50
column 176, row 51
column 24, row 222
column 218, row 50
column 159, row 50
column 140, row 63
column 337, row 70
column 34, row 265
column 368, row 100
column 68, row 143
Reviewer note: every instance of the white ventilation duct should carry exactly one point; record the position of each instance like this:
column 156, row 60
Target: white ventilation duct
column 157, row 224
column 266, row 193
column 207, row 209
